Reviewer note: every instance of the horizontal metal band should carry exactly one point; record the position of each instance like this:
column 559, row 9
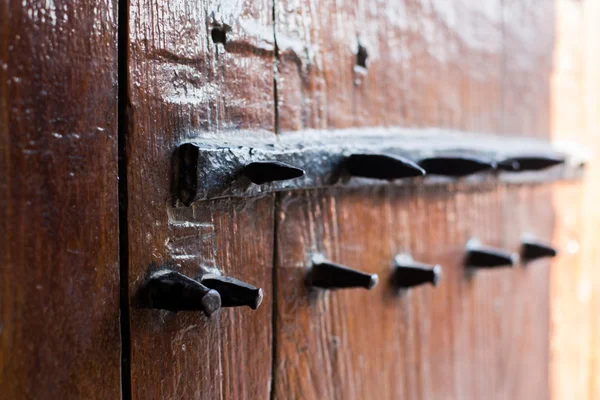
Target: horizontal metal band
column 208, row 168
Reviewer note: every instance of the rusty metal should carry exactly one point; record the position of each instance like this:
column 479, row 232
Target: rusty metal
column 382, row 166
column 261, row 172
column 530, row 163
column 456, row 166
column 206, row 168
column 409, row 273
column 233, row 292
column 170, row 290
column 479, row 256
column 532, row 250
column 327, row 275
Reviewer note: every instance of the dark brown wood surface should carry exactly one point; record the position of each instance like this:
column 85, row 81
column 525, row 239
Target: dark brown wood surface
column 183, row 85
column 59, row 286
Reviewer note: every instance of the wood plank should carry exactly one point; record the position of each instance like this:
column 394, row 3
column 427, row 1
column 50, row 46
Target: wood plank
column 183, row 83
column 469, row 338
column 59, row 291
column 443, row 65
column 429, row 64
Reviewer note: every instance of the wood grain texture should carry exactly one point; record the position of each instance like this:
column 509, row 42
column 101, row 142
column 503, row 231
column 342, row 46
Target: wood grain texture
column 442, row 64
column 181, row 82
column 528, row 61
column 429, row 64
column 473, row 337
column 59, row 287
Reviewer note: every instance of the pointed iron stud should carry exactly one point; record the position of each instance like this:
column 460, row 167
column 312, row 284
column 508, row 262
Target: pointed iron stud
column 479, row 256
column 327, row 275
column 234, row 293
column 455, row 166
column 260, row 172
column 530, row 163
column 408, row 273
column 532, row 250
column 170, row 290
column 381, row 166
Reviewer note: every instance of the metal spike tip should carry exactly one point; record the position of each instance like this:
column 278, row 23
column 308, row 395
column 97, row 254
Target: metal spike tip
column 409, row 273
column 487, row 257
column 381, row 166
column 327, row 275
column 261, row 172
column 455, row 166
column 534, row 250
column 233, row 292
column 530, row 163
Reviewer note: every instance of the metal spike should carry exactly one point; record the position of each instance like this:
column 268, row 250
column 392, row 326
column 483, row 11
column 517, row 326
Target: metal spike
column 488, row 257
column 455, row 166
column 408, row 273
column 260, row 172
column 381, row 166
column 234, row 293
column 532, row 250
column 530, row 163
column 170, row 290
column 328, row 275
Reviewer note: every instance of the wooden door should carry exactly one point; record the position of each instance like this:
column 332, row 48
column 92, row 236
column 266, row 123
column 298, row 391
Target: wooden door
column 95, row 101
column 59, row 292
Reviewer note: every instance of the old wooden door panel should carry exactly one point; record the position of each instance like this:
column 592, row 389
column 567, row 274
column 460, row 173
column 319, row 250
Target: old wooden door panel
column 469, row 66
column 480, row 336
column 59, row 291
column 428, row 64
column 184, row 85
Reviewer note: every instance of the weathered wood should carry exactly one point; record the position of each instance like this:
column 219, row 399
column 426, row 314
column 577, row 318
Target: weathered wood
column 440, row 65
column 491, row 327
column 183, row 82
column 59, row 290
column 429, row 64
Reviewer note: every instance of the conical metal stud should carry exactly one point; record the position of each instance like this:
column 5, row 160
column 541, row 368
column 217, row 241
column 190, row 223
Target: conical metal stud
column 234, row 293
column 261, row 172
column 455, row 166
column 327, row 275
column 381, row 166
column 408, row 273
column 530, row 163
column 479, row 256
column 172, row 291
column 532, row 250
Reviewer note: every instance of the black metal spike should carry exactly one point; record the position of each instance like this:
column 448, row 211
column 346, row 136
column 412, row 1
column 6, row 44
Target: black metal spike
column 328, row 275
column 260, row 172
column 234, row 293
column 170, row 290
column 455, row 166
column 382, row 166
column 532, row 250
column 530, row 163
column 487, row 257
column 408, row 273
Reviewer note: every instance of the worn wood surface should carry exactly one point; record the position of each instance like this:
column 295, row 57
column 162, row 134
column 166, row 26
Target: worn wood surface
column 473, row 337
column 462, row 65
column 429, row 64
column 182, row 82
column 59, row 286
